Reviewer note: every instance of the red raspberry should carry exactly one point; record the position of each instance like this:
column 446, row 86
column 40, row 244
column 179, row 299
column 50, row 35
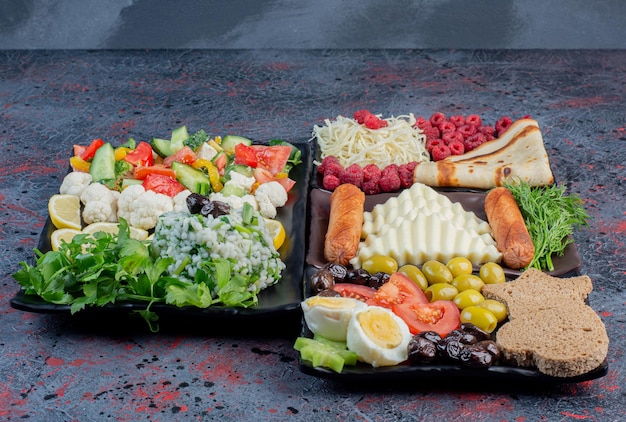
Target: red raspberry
column 467, row 130
column 474, row 119
column 440, row 152
column 503, row 124
column 330, row 182
column 327, row 162
column 431, row 132
column 411, row 166
column 447, row 127
column 437, row 119
column 456, row 148
column 421, row 122
column 360, row 116
column 457, row 121
column 370, row 187
column 433, row 143
column 450, row 137
column 371, row 173
column 390, row 179
column 474, row 141
column 405, row 172
column 352, row 174
column 487, row 130
column 374, row 122
column 332, row 168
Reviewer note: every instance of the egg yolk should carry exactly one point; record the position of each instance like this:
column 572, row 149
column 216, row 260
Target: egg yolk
column 379, row 327
column 330, row 302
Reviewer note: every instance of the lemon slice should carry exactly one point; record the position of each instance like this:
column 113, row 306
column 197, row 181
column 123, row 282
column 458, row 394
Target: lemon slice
column 59, row 235
column 114, row 228
column 65, row 211
column 277, row 231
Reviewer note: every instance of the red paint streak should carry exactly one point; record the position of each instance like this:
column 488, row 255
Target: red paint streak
column 273, row 410
column 520, row 419
column 575, row 416
column 166, row 396
column 77, row 362
column 606, row 313
column 54, row 361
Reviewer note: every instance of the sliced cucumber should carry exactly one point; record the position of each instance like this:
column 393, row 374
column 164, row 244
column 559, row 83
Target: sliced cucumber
column 163, row 147
column 229, row 190
column 179, row 136
column 193, row 179
column 239, row 168
column 230, row 141
column 103, row 163
column 129, row 182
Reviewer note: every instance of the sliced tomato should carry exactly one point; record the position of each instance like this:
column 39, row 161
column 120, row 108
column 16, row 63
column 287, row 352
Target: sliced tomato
column 220, row 162
column 262, row 175
column 399, row 289
column 160, row 183
column 286, row 182
column 88, row 153
column 245, row 155
column 141, row 172
column 78, row 150
column 355, row 291
column 440, row 316
column 141, row 155
column 184, row 155
column 272, row 158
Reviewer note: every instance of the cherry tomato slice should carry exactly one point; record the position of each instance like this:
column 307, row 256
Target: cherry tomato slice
column 399, row 289
column 272, row 158
column 184, row 155
column 141, row 155
column 355, row 291
column 441, row 316
column 88, row 153
column 142, row 172
column 162, row 184
column 245, row 155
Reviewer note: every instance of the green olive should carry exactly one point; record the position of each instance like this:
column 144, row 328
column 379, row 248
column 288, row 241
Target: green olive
column 496, row 307
column 468, row 297
column 480, row 317
column 436, row 272
column 492, row 273
column 459, row 265
column 440, row 291
column 415, row 274
column 380, row 264
column 468, row 281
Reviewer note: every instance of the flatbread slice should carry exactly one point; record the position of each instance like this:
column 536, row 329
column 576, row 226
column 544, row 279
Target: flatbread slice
column 518, row 154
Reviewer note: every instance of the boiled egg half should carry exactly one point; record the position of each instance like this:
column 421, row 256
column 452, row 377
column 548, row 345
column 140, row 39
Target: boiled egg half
column 329, row 316
column 378, row 336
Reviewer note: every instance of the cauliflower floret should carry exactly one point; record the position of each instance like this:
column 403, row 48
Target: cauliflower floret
column 74, row 183
column 233, row 200
column 241, row 181
column 99, row 204
column 206, row 151
column 180, row 201
column 270, row 196
column 142, row 208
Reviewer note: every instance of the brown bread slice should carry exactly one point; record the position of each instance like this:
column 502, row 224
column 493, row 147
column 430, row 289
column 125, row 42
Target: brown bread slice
column 536, row 290
column 550, row 326
column 560, row 342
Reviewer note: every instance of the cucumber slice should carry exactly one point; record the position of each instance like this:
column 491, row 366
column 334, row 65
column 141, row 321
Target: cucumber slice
column 193, row 179
column 229, row 190
column 103, row 163
column 323, row 354
column 230, row 141
column 163, row 147
column 129, row 182
column 179, row 136
column 239, row 168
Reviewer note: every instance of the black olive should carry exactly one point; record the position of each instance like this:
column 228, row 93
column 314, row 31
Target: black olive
column 421, row 350
column 430, row 335
column 338, row 271
column 475, row 356
column 195, row 202
column 378, row 279
column 322, row 280
column 468, row 338
column 329, row 293
column 472, row 329
column 215, row 209
column 453, row 349
column 359, row 276
column 491, row 347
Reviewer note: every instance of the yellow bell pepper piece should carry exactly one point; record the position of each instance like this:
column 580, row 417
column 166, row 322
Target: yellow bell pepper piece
column 214, row 175
column 78, row 164
column 120, row 153
column 215, row 144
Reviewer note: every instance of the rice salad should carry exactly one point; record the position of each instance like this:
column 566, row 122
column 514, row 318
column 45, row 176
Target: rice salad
column 196, row 243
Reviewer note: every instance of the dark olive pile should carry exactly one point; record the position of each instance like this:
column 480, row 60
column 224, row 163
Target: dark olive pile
column 330, row 274
column 468, row 345
column 200, row 204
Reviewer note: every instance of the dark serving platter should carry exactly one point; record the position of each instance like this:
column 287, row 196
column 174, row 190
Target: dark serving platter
column 319, row 204
column 278, row 300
